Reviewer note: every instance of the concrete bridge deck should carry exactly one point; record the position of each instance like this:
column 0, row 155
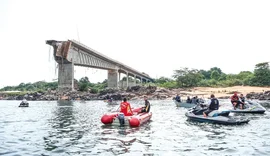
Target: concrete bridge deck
column 69, row 53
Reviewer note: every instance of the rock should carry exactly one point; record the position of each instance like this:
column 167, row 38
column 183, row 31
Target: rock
column 131, row 93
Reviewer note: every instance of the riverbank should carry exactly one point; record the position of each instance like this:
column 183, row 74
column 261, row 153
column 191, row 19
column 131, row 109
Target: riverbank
column 137, row 92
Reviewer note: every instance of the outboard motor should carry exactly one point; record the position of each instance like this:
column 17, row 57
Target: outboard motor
column 121, row 118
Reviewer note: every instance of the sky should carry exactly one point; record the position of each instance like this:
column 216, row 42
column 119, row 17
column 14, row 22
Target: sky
column 153, row 36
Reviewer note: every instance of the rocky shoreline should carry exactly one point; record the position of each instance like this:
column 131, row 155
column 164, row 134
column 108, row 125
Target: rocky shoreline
column 132, row 93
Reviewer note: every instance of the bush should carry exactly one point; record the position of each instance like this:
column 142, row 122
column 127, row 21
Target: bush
column 94, row 90
column 83, row 86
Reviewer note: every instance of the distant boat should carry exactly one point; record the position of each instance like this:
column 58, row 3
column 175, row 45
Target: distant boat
column 112, row 102
column 24, row 103
column 184, row 104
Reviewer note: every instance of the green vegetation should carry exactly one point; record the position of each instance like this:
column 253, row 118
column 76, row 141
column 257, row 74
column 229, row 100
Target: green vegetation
column 214, row 77
column 85, row 85
column 31, row 87
column 182, row 78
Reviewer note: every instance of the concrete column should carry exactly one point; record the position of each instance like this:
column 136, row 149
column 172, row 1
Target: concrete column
column 119, row 77
column 135, row 79
column 141, row 80
column 66, row 76
column 127, row 79
column 112, row 78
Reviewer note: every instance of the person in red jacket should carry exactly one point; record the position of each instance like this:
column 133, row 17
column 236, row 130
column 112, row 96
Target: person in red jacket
column 125, row 108
column 235, row 101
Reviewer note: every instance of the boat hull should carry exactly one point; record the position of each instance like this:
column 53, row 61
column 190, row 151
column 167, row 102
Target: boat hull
column 217, row 120
column 183, row 104
column 24, row 105
column 254, row 108
column 215, row 116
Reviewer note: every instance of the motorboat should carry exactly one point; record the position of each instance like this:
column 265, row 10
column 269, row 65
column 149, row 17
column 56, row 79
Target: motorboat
column 119, row 119
column 250, row 107
column 24, row 103
column 216, row 116
column 184, row 104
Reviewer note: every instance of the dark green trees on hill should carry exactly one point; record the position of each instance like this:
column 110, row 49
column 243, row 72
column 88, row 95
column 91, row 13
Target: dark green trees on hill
column 37, row 86
column 214, row 77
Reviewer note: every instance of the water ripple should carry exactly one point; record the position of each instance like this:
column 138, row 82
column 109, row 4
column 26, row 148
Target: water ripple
column 74, row 128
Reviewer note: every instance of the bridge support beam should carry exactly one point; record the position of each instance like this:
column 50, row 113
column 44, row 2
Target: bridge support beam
column 127, row 79
column 112, row 78
column 66, row 76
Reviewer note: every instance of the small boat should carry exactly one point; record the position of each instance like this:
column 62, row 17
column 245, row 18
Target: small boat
column 216, row 117
column 184, row 104
column 24, row 103
column 118, row 119
column 250, row 107
column 112, row 102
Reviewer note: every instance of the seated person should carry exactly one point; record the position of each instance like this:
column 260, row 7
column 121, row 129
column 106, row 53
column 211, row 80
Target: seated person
column 178, row 98
column 125, row 108
column 188, row 100
column 194, row 100
column 214, row 105
column 236, row 102
column 146, row 108
column 110, row 100
column 242, row 100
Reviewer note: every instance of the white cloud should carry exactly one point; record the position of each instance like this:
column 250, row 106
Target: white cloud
column 155, row 37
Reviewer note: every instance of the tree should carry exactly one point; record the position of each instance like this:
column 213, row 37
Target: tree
column 84, row 80
column 215, row 69
column 162, row 80
column 83, row 86
column 215, row 75
column 243, row 75
column 187, row 78
column 262, row 74
column 222, row 77
column 206, row 74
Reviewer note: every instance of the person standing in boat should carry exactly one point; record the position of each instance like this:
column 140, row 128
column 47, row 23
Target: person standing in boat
column 146, row 108
column 125, row 108
column 178, row 98
column 213, row 105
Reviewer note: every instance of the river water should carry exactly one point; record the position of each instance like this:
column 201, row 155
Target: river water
column 74, row 128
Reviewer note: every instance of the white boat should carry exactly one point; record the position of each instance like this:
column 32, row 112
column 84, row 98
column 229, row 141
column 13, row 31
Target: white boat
column 184, row 104
column 216, row 116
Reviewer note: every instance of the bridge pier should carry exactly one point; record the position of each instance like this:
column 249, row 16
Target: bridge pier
column 66, row 76
column 112, row 78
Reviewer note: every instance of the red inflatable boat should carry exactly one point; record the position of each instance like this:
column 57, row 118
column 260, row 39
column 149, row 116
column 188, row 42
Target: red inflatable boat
column 118, row 119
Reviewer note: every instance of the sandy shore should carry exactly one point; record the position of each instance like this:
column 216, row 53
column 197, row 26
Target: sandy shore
column 225, row 91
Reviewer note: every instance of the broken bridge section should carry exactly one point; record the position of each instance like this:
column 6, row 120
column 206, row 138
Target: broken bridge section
column 69, row 53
